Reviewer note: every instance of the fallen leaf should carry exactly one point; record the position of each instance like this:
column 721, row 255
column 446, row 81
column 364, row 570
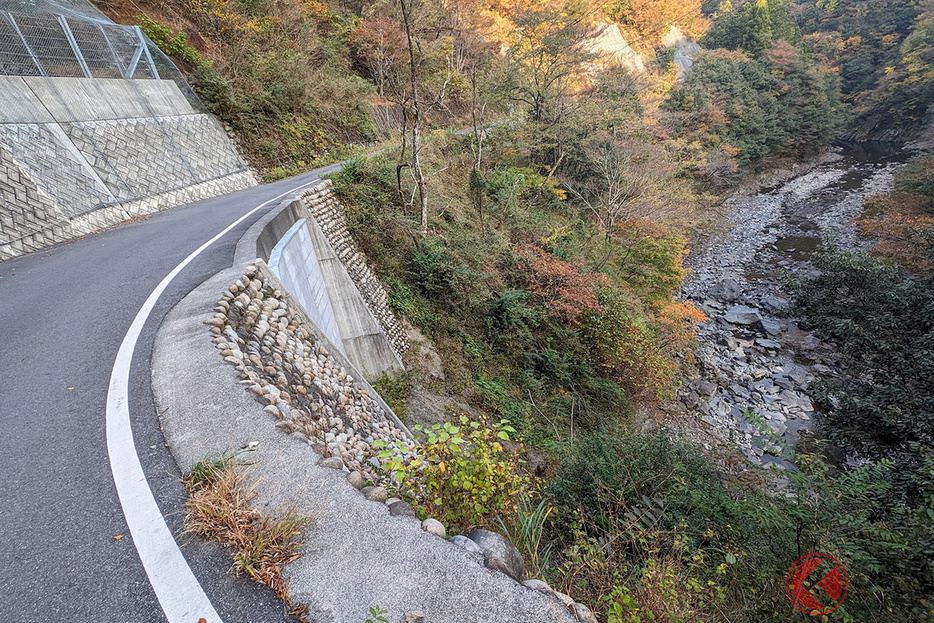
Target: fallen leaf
column 202, row 620
column 118, row 537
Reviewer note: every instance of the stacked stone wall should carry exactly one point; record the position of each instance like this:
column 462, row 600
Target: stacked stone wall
column 322, row 205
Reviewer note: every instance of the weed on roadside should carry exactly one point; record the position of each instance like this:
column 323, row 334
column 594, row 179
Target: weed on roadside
column 218, row 508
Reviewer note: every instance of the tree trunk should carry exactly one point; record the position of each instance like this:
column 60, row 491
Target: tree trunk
column 407, row 6
column 417, row 172
column 478, row 139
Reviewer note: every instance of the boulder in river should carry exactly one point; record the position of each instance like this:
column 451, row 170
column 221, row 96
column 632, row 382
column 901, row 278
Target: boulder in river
column 725, row 290
column 742, row 315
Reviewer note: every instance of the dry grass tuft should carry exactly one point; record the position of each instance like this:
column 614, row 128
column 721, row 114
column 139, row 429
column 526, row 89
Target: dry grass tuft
column 218, row 508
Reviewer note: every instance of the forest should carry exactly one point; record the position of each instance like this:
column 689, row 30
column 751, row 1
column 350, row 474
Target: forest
column 530, row 200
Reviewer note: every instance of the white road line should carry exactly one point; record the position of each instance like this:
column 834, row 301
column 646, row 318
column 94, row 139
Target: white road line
column 179, row 593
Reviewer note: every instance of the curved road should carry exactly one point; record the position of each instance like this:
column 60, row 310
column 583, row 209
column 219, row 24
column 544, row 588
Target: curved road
column 65, row 550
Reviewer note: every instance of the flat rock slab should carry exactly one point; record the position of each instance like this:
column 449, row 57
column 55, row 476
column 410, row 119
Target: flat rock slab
column 742, row 315
column 355, row 554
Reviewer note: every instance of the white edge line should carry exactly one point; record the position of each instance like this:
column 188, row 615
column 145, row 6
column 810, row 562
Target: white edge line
column 179, row 593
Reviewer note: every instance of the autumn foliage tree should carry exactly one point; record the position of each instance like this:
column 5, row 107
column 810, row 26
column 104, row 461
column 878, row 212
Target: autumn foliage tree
column 625, row 181
column 901, row 222
column 562, row 287
column 380, row 43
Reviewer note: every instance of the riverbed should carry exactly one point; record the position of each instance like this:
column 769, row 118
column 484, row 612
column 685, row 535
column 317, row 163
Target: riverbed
column 753, row 364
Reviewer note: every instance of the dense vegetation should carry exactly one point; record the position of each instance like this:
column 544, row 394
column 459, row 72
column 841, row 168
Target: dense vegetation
column 300, row 80
column 883, row 52
column 882, row 316
column 540, row 256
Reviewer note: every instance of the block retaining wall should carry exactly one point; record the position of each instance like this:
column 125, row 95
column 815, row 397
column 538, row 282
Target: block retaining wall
column 70, row 170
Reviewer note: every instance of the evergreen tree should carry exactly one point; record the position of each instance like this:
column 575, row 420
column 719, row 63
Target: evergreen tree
column 758, row 36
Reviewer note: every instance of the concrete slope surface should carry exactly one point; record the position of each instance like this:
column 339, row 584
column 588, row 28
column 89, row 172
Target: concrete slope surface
column 65, row 550
column 355, row 554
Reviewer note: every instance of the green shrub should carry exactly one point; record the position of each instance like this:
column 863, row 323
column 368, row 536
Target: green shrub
column 625, row 347
column 172, row 43
column 884, row 323
column 510, row 320
column 461, row 474
column 395, row 389
column 440, row 273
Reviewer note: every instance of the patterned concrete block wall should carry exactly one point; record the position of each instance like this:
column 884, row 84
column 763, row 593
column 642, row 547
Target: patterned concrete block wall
column 322, row 205
column 75, row 159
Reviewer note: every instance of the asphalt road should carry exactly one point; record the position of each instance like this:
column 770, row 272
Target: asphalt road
column 63, row 314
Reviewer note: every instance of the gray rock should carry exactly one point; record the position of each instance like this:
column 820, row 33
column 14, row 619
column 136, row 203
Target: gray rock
column 769, row 344
column 765, row 386
column 742, row 315
column 565, row 599
column 332, row 462
column 537, row 585
column 705, row 388
column 789, row 398
column 725, row 290
column 499, row 553
column 798, row 374
column 583, row 614
column 462, row 541
column 739, row 391
column 401, row 509
column 435, row 527
column 742, row 425
column 775, row 462
column 356, row 479
column 774, row 304
column 771, row 327
column 375, row 494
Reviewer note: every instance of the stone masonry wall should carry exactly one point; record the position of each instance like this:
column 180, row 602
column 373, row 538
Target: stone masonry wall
column 67, row 172
column 323, row 206
column 143, row 157
column 304, row 382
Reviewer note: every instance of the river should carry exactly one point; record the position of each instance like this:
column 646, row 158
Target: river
column 753, row 364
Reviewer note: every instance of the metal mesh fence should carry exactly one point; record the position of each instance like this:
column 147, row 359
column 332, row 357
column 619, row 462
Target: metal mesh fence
column 72, row 38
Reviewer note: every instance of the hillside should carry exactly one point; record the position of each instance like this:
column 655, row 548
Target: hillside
column 538, row 260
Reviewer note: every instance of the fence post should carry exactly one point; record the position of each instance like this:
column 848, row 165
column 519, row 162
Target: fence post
column 74, row 46
column 26, row 45
column 113, row 52
column 142, row 42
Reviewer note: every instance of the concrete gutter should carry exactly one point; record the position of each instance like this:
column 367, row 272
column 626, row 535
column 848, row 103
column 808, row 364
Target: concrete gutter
column 362, row 339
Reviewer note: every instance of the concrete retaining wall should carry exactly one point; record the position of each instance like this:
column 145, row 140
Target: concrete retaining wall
column 322, row 205
column 79, row 155
column 310, row 228
column 297, row 266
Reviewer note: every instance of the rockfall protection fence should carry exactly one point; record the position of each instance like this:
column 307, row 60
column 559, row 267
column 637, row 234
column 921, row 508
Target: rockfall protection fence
column 33, row 45
column 73, row 39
